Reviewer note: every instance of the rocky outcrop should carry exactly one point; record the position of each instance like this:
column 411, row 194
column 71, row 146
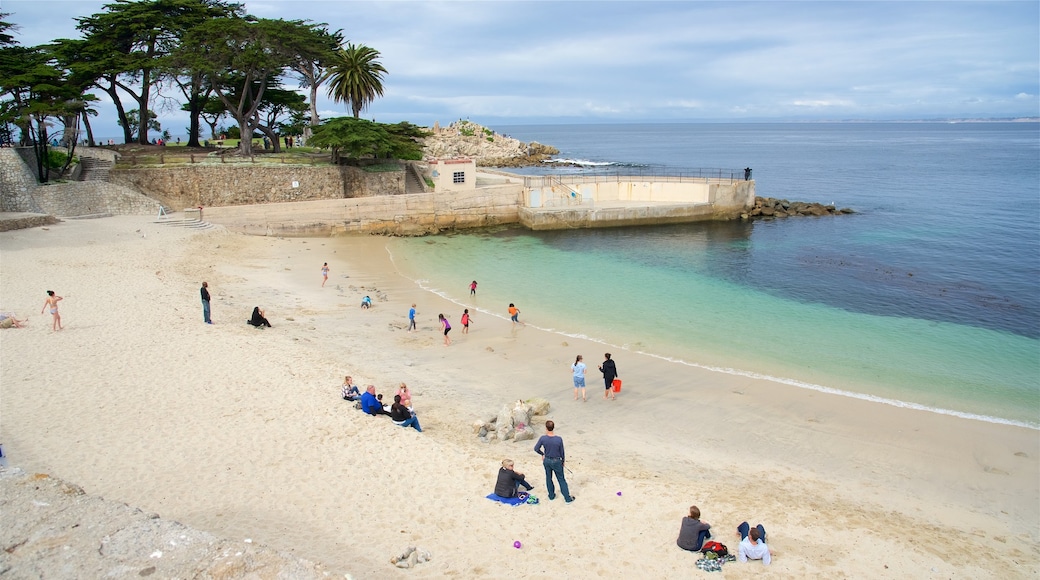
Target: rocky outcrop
column 483, row 145
column 512, row 422
column 768, row 207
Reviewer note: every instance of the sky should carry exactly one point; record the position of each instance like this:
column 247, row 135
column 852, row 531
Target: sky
column 555, row 62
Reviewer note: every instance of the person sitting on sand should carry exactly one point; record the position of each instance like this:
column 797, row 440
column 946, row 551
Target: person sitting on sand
column 753, row 544
column 8, row 320
column 400, row 415
column 692, row 531
column 349, row 391
column 257, row 319
column 370, row 403
column 405, row 394
column 366, row 302
column 510, row 480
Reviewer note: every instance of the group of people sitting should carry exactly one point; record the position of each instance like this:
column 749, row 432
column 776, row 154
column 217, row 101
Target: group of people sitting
column 693, row 533
column 400, row 412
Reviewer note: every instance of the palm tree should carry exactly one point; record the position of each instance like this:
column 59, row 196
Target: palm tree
column 356, row 76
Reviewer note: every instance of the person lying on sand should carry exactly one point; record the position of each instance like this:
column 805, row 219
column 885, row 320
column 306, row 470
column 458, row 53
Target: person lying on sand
column 8, row 320
column 753, row 544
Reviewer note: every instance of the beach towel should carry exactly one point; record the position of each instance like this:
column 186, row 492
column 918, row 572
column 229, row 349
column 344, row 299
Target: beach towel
column 513, row 501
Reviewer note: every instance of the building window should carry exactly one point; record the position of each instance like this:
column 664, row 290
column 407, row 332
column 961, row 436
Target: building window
column 458, row 177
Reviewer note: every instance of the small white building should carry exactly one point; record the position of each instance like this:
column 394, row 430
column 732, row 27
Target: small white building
column 453, row 174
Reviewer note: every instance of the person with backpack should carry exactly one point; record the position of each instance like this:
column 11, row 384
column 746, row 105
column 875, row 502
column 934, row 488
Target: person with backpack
column 692, row 531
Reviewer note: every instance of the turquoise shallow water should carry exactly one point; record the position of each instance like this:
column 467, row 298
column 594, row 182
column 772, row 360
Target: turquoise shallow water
column 680, row 314
column 927, row 296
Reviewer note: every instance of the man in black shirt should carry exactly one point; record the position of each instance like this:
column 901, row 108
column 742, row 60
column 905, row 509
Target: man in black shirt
column 205, row 303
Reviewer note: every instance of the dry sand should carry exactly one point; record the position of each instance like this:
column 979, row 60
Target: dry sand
column 241, row 432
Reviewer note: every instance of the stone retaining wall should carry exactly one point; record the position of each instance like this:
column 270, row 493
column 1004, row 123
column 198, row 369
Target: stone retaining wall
column 217, row 185
column 20, row 192
column 80, row 198
column 17, row 183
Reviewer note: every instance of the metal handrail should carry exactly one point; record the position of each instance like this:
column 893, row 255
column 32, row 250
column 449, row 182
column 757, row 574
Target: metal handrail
column 656, row 173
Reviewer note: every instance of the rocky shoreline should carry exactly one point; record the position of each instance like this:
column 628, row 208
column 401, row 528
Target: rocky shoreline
column 768, row 207
column 485, row 146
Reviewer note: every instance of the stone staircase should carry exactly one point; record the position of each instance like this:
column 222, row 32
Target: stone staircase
column 94, row 169
column 190, row 220
column 412, row 183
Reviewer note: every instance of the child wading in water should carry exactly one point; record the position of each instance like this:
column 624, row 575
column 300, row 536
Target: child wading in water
column 447, row 328
column 465, row 321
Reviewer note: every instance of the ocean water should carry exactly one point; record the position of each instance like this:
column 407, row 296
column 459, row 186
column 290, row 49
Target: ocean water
column 928, row 296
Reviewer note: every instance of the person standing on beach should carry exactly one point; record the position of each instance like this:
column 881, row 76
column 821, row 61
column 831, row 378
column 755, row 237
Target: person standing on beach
column 465, row 321
column 578, row 369
column 550, row 447
column 609, row 370
column 447, row 328
column 514, row 314
column 205, row 303
column 473, row 288
column 52, row 302
column 324, row 274
column 411, row 318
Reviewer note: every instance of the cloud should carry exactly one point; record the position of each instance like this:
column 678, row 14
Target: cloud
column 647, row 61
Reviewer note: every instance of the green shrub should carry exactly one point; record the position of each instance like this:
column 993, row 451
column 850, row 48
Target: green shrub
column 56, row 159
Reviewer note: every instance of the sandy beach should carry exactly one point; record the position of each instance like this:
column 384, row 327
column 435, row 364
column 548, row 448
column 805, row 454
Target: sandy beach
column 242, row 433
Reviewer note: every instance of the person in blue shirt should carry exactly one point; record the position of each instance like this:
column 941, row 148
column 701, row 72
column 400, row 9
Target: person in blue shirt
column 550, row 447
column 411, row 318
column 371, row 404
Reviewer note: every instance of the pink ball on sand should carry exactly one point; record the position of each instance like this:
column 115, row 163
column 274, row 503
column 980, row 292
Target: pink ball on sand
column 517, row 544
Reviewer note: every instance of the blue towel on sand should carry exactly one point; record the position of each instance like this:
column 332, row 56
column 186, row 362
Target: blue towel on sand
column 514, row 501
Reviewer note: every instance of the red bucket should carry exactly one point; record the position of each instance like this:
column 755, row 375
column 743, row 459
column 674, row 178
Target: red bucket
column 616, row 383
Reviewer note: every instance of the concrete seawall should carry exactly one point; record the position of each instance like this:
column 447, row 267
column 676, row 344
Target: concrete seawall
column 633, row 201
column 407, row 214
